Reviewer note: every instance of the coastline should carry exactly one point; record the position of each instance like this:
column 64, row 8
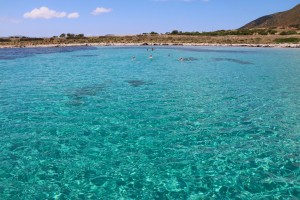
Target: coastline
column 283, row 45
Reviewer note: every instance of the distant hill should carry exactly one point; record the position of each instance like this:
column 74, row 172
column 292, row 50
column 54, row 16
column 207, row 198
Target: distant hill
column 290, row 18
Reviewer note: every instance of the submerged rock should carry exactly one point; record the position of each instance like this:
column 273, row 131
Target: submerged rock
column 84, row 56
column 137, row 83
column 90, row 90
column 233, row 60
column 188, row 59
column 78, row 95
column 100, row 180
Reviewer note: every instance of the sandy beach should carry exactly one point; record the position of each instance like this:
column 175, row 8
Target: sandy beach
column 286, row 45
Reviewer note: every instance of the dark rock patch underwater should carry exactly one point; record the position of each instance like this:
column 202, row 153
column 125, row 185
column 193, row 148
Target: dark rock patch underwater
column 15, row 53
column 78, row 95
column 233, row 60
column 137, row 83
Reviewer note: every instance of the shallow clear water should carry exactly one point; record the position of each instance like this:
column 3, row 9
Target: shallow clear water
column 92, row 123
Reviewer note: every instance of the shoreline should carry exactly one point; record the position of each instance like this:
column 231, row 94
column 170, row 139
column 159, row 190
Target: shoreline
column 283, row 45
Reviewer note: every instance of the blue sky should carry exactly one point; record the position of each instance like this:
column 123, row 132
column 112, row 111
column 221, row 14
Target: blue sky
column 100, row 17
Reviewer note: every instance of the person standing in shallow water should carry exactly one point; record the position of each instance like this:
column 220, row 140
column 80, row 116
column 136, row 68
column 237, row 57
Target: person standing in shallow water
column 150, row 57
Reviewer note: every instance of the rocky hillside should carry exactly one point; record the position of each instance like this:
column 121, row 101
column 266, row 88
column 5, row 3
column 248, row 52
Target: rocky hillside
column 287, row 19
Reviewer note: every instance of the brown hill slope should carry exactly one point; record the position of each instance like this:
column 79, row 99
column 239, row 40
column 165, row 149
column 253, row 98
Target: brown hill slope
column 290, row 18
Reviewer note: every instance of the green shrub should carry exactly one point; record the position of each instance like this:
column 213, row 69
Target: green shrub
column 272, row 32
column 4, row 40
column 288, row 33
column 31, row 39
column 297, row 26
column 287, row 40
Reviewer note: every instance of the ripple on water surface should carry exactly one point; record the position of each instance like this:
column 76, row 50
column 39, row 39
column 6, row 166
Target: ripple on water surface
column 92, row 123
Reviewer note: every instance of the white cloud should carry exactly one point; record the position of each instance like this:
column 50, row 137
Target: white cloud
column 101, row 10
column 73, row 15
column 46, row 13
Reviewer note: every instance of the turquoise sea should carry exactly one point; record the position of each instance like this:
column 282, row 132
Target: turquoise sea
column 96, row 123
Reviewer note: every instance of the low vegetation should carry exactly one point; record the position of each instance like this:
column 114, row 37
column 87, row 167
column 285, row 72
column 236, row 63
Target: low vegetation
column 4, row 40
column 228, row 32
column 30, row 39
column 256, row 36
column 290, row 32
column 287, row 40
column 71, row 36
